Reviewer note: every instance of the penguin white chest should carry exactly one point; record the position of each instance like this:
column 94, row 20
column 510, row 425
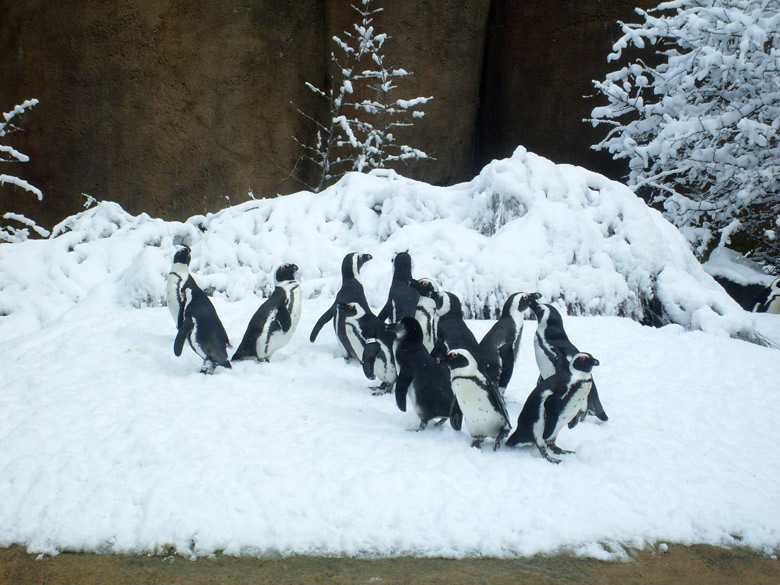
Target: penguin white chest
column 576, row 403
column 481, row 418
column 544, row 358
column 173, row 293
column 355, row 338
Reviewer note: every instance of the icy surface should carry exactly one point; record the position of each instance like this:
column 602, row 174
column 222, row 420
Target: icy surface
column 108, row 442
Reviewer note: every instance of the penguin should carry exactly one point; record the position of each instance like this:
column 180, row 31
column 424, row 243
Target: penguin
column 366, row 334
column 426, row 311
column 421, row 378
column 555, row 402
column 554, row 351
column 273, row 324
column 178, row 278
column 501, row 343
column 351, row 291
column 201, row 327
column 379, row 363
column 452, row 331
column 770, row 301
column 478, row 401
column 402, row 298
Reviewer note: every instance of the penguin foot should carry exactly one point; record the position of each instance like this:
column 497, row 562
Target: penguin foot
column 500, row 439
column 546, row 454
column 379, row 391
column 208, row 367
column 557, row 450
column 441, row 421
column 477, row 442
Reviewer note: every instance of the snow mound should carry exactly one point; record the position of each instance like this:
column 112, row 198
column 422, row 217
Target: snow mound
column 524, row 223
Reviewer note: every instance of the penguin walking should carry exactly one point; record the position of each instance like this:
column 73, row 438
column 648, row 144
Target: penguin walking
column 370, row 343
column 426, row 312
column 200, row 326
column 421, row 379
column 554, row 351
column 402, row 298
column 273, row 324
column 351, row 291
column 554, row 403
column 178, row 278
column 478, row 401
column 501, row 343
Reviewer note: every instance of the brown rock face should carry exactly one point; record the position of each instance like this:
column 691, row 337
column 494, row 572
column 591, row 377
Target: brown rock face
column 178, row 107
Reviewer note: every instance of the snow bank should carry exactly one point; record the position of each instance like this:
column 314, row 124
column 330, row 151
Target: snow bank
column 523, row 224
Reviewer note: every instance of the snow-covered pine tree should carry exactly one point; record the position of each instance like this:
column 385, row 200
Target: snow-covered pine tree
column 377, row 118
column 8, row 154
column 696, row 112
column 364, row 140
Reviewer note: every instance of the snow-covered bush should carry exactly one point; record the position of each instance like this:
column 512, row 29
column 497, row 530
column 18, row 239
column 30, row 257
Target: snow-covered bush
column 359, row 135
column 8, row 154
column 524, row 224
column 696, row 111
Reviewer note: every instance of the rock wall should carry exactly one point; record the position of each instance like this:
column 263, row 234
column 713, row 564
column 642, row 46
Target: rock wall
column 177, row 107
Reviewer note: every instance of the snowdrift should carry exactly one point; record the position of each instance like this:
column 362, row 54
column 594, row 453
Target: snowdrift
column 524, row 224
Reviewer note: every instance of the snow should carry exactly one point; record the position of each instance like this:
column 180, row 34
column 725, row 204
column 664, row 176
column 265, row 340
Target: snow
column 108, row 442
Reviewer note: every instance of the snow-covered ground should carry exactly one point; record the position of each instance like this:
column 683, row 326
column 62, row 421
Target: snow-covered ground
column 109, row 442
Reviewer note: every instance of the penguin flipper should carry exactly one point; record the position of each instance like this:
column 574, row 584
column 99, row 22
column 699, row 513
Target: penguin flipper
column 386, row 311
column 456, row 415
column 326, row 316
column 594, row 404
column 181, row 336
column 552, row 408
column 401, row 388
column 283, row 319
column 507, row 355
column 370, row 351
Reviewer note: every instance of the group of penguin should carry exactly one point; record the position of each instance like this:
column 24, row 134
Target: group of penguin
column 419, row 345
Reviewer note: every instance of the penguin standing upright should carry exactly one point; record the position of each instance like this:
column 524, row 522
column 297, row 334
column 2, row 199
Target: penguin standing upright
column 554, row 351
column 452, row 331
column 555, row 402
column 402, row 298
column 426, row 312
column 177, row 279
column 770, row 301
column 478, row 400
column 273, row 324
column 351, row 291
column 500, row 345
column 200, row 326
column 370, row 343
column 420, row 378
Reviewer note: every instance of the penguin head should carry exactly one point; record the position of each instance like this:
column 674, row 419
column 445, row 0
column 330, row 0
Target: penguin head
column 518, row 302
column 351, row 310
column 284, row 273
column 408, row 329
column 425, row 286
column 352, row 263
column 458, row 359
column 449, row 304
column 402, row 266
column 182, row 256
column 584, row 362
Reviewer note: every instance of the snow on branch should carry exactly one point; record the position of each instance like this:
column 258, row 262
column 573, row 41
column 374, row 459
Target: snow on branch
column 700, row 129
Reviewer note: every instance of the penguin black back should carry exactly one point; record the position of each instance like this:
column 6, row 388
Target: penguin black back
column 351, row 290
column 402, row 298
column 420, row 375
